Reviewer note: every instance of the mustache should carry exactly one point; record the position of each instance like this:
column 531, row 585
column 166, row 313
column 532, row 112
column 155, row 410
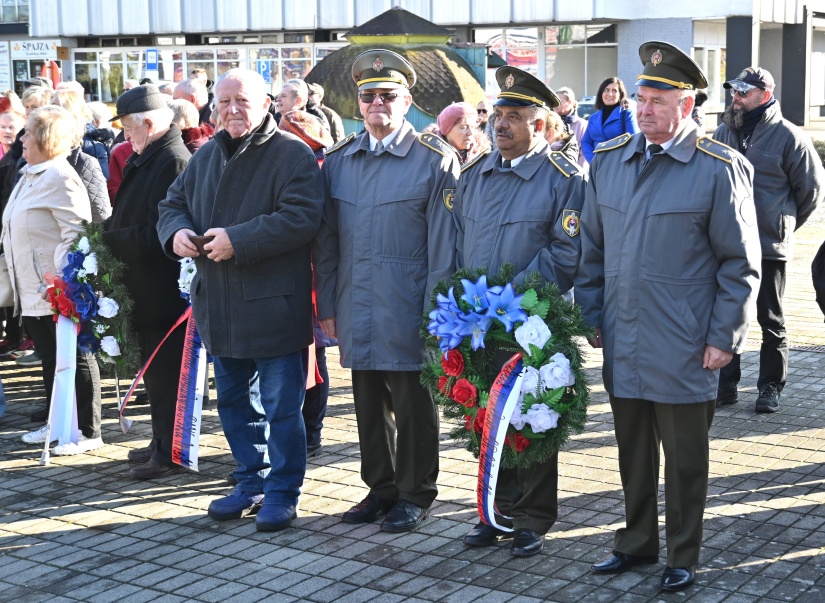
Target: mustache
column 500, row 132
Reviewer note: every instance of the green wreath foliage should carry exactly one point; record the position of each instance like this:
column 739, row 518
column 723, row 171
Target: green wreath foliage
column 481, row 367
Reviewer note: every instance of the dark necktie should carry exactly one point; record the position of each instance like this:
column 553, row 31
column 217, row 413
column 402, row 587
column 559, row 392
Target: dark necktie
column 505, row 163
column 379, row 146
column 655, row 149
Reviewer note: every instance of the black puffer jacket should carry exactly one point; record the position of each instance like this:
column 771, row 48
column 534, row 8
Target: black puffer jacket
column 88, row 168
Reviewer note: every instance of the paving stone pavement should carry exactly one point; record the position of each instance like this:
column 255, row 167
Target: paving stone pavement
column 81, row 530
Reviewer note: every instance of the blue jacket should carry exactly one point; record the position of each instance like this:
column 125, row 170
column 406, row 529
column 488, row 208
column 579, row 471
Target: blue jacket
column 620, row 121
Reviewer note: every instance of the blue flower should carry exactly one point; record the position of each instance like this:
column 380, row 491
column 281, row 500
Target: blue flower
column 74, row 262
column 87, row 342
column 475, row 293
column 475, row 325
column 505, row 306
column 84, row 299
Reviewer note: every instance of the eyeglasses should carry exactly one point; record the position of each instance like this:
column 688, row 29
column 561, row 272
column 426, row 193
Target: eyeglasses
column 740, row 89
column 368, row 97
column 484, row 111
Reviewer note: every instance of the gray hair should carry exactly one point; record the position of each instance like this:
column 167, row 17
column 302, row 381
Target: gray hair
column 252, row 81
column 195, row 89
column 101, row 113
column 166, row 89
column 161, row 118
column 185, row 113
column 301, row 88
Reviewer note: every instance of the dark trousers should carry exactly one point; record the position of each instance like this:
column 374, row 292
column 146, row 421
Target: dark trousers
column 13, row 331
column 43, row 332
column 315, row 401
column 403, row 467
column 773, row 356
column 161, row 381
column 530, row 496
column 682, row 430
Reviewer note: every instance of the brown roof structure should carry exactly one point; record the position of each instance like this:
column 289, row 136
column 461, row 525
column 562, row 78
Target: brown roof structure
column 444, row 77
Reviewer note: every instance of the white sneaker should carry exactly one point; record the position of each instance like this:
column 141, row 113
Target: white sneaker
column 84, row 444
column 38, row 436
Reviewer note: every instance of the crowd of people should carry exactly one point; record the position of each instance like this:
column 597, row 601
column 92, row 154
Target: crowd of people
column 665, row 235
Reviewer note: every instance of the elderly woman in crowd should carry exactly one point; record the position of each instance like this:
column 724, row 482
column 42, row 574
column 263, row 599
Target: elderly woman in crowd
column 159, row 155
column 187, row 118
column 611, row 119
column 74, row 104
column 41, row 220
column 457, row 125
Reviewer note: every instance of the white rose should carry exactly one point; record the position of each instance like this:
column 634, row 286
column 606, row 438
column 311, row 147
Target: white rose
column 530, row 382
column 541, row 418
column 109, row 345
column 107, row 307
column 557, row 372
column 517, row 419
column 90, row 263
column 83, row 245
column 533, row 331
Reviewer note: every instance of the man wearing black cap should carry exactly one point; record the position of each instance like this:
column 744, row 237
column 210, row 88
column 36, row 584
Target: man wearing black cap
column 788, row 184
column 520, row 205
column 386, row 239
column 670, row 263
column 159, row 155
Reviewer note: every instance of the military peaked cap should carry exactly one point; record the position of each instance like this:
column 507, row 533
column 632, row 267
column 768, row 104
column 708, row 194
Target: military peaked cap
column 667, row 67
column 381, row 68
column 520, row 89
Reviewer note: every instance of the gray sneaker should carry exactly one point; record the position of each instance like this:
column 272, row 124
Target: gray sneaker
column 30, row 360
column 768, row 400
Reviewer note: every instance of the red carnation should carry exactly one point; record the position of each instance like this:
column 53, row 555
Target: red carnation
column 443, row 384
column 453, row 364
column 468, row 422
column 478, row 425
column 518, row 442
column 465, row 393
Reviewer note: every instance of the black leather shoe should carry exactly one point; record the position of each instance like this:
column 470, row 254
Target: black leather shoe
column 140, row 455
column 726, row 395
column 141, row 399
column 527, row 543
column 484, row 535
column 368, row 510
column 231, row 479
column 39, row 416
column 677, row 578
column 404, row 517
column 617, row 562
column 313, row 450
column 152, row 470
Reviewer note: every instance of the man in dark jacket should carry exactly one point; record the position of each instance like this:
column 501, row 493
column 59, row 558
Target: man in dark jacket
column 151, row 277
column 316, row 98
column 788, row 184
column 257, row 192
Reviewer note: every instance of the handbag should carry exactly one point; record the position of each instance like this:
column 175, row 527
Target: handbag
column 6, row 292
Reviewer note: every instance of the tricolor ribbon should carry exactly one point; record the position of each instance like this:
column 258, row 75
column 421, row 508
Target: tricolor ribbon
column 186, row 434
column 125, row 423
column 63, row 409
column 504, row 396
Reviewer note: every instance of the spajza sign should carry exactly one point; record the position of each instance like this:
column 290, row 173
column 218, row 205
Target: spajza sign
column 34, row 49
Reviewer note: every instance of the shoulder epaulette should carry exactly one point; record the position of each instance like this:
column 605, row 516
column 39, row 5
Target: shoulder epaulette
column 475, row 160
column 431, row 141
column 613, row 143
column 340, row 144
column 565, row 166
column 714, row 148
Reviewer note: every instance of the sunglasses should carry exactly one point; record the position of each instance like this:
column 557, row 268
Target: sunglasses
column 484, row 111
column 740, row 89
column 368, row 97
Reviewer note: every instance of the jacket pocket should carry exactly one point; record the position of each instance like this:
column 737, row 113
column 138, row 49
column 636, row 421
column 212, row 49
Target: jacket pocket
column 268, row 287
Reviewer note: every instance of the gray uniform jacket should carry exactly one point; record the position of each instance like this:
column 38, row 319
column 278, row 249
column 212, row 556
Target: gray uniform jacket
column 268, row 196
column 670, row 263
column 788, row 179
column 518, row 215
column 387, row 238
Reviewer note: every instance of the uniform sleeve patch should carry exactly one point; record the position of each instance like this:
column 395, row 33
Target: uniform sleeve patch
column 449, row 196
column 571, row 222
column 431, row 141
column 340, row 144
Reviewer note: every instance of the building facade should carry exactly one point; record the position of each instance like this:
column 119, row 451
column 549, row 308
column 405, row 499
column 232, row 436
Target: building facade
column 575, row 43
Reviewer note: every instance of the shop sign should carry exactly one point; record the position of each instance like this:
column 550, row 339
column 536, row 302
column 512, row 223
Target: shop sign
column 34, row 49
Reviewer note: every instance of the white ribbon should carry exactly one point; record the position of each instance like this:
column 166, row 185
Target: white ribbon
column 63, row 410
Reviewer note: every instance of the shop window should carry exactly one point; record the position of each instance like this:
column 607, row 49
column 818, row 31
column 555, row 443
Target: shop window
column 580, row 56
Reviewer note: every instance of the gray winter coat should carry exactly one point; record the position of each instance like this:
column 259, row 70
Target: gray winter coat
column 788, row 179
column 670, row 263
column 518, row 215
column 91, row 175
column 386, row 239
column 269, row 197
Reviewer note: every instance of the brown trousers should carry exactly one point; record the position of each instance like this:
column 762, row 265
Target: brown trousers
column 682, row 430
column 398, row 435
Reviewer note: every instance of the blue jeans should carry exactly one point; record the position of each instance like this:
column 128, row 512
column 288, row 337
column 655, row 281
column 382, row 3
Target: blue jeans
column 259, row 404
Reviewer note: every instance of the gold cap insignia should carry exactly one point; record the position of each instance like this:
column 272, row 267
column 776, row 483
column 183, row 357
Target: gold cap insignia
column 656, row 58
column 378, row 64
column 510, row 81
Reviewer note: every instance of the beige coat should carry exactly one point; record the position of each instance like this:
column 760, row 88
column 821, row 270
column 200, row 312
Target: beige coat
column 41, row 220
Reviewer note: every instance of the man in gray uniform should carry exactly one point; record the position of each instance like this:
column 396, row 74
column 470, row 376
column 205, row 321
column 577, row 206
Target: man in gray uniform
column 788, row 184
column 520, row 205
column 387, row 238
column 670, row 264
